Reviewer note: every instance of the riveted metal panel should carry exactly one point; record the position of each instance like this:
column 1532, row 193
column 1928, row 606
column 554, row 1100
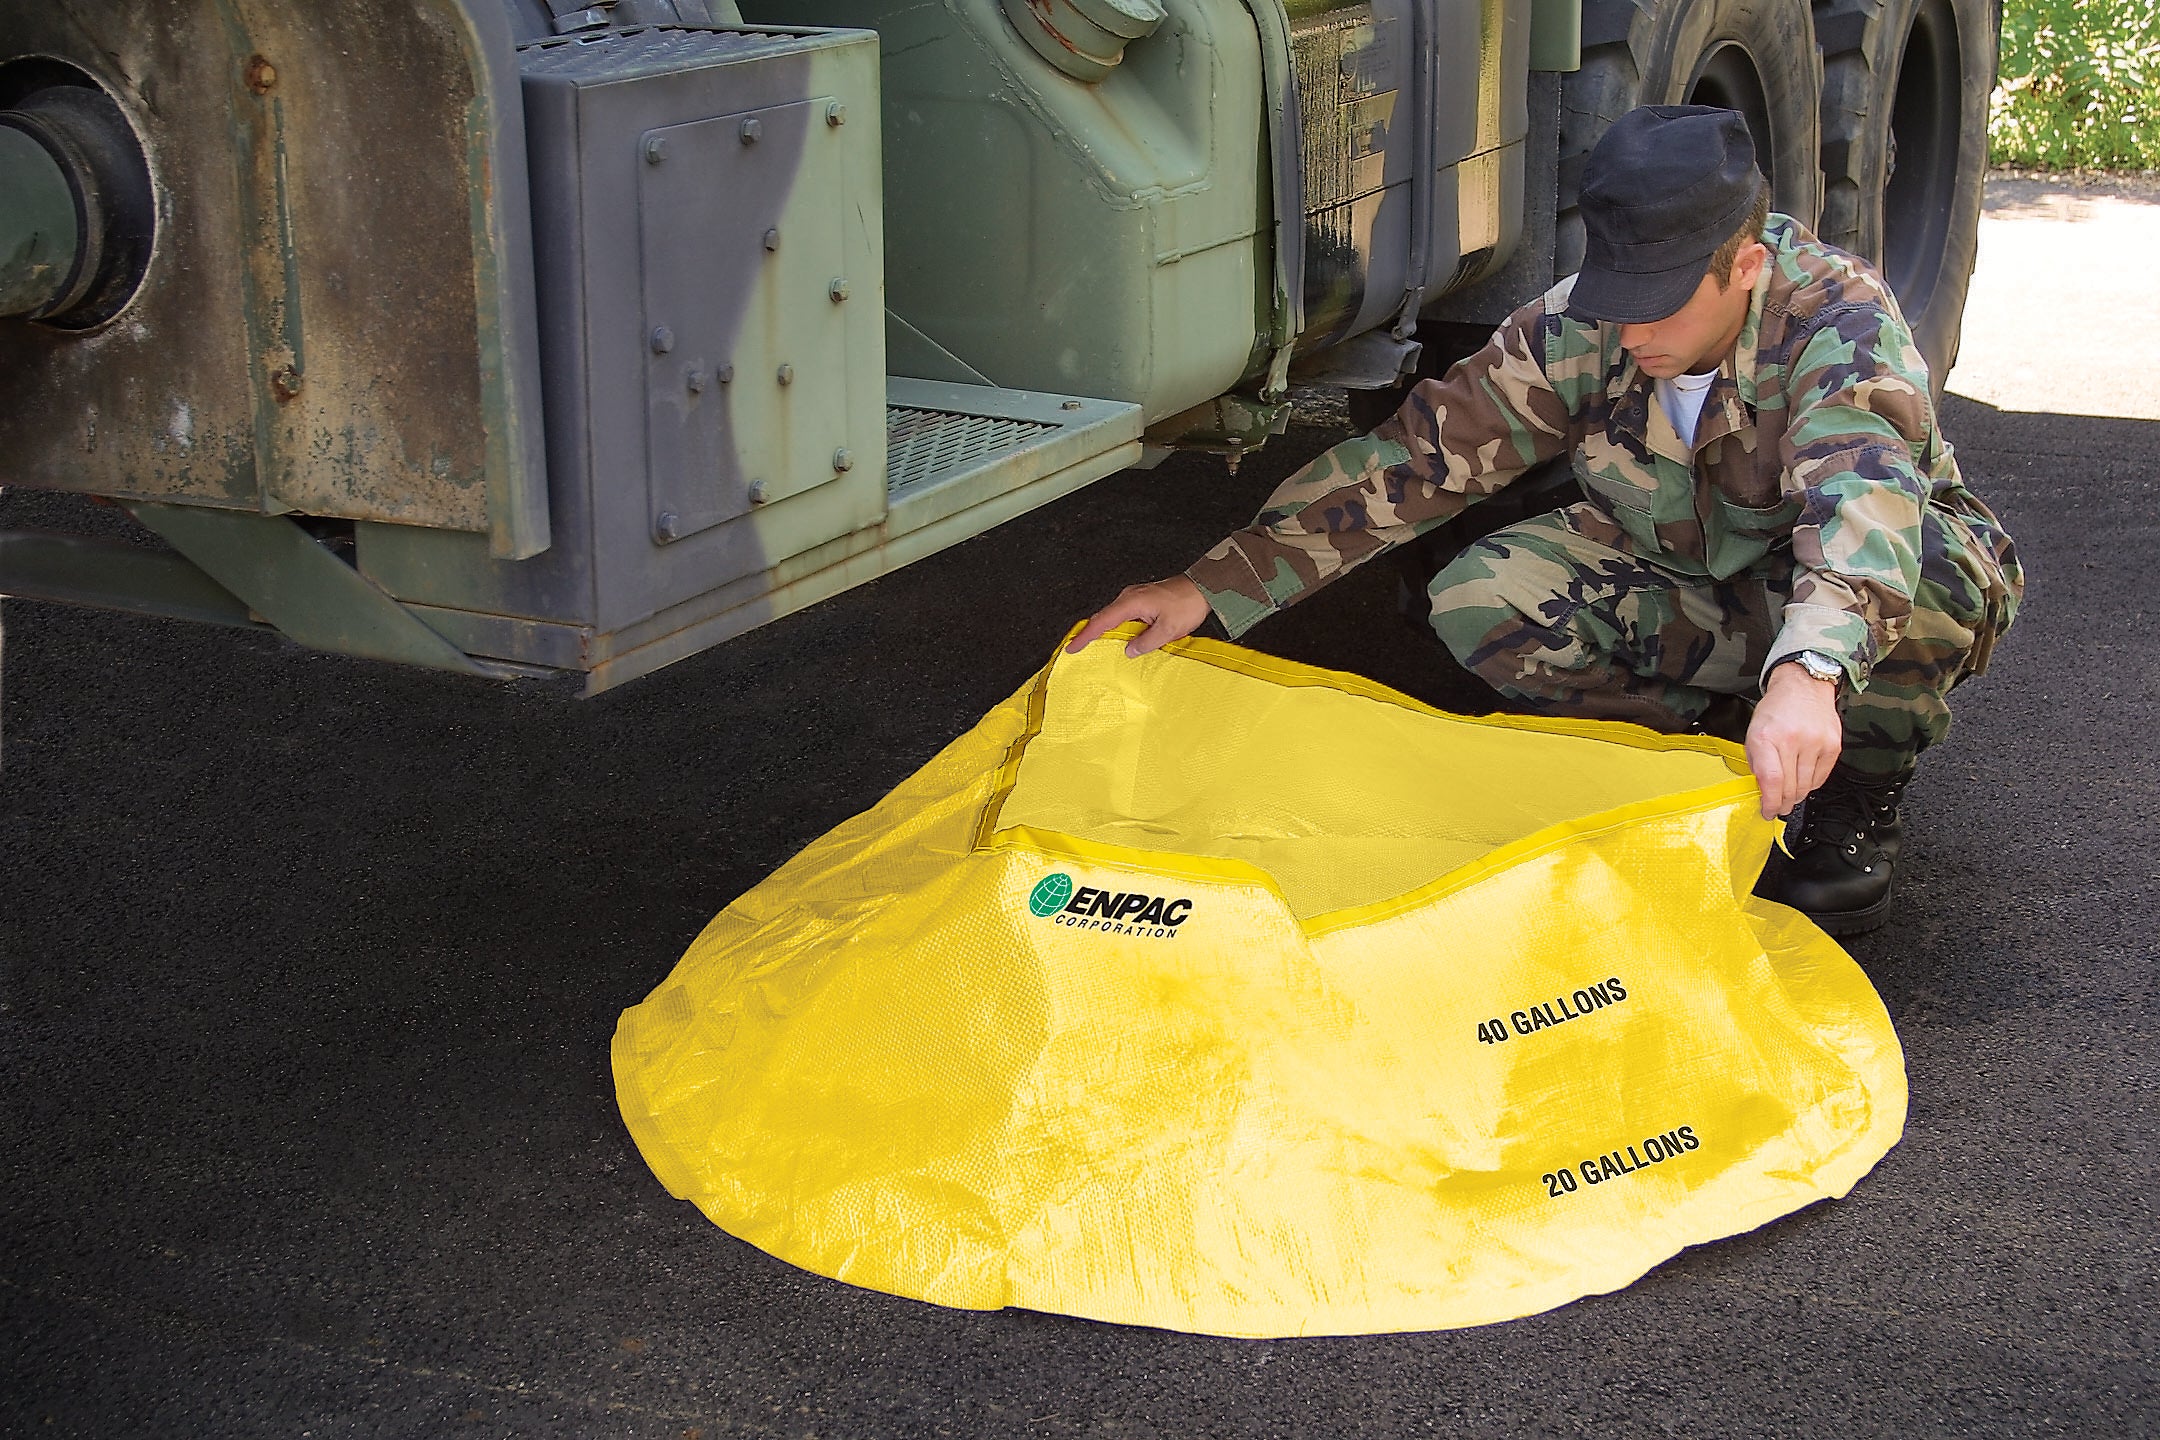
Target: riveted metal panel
column 651, row 479
column 746, row 380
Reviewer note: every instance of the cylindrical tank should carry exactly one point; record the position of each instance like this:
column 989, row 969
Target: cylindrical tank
column 1412, row 121
column 1081, row 195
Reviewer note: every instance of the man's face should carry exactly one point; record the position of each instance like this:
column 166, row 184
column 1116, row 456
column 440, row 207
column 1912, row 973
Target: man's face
column 1700, row 333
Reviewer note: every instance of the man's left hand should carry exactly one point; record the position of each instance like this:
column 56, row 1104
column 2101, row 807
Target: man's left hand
column 1794, row 739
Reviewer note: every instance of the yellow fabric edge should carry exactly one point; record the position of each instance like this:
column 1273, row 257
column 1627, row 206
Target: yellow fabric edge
column 1538, row 842
column 1296, row 673
column 1275, row 670
column 651, row 1136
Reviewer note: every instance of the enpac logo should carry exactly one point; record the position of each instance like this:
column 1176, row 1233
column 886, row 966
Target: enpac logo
column 1050, row 894
column 1114, row 912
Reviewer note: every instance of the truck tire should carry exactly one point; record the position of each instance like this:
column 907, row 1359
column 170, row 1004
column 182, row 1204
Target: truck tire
column 1754, row 56
column 1904, row 154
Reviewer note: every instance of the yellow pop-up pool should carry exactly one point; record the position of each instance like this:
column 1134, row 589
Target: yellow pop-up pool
column 1216, row 992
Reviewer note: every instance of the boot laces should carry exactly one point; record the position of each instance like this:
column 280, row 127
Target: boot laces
column 1848, row 810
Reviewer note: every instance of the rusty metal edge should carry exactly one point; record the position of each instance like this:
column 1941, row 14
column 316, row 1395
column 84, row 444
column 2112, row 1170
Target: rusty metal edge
column 504, row 284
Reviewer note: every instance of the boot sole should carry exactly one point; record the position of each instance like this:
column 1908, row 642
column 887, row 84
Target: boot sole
column 1856, row 922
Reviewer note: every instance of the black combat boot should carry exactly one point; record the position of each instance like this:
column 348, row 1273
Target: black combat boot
column 1843, row 865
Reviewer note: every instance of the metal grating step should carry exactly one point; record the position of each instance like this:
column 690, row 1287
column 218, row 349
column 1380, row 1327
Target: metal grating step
column 654, row 50
column 922, row 445
column 953, row 450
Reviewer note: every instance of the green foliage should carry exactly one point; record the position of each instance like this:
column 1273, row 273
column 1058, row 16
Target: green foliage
column 2080, row 85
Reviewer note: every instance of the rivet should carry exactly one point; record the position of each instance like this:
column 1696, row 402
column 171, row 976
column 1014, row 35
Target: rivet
column 655, row 149
column 696, row 381
column 261, row 75
column 838, row 290
column 758, row 493
column 843, row 459
column 663, row 340
column 667, row 525
column 751, row 130
column 786, row 375
column 726, row 374
column 287, row 383
column 772, row 239
column 1070, row 405
column 836, row 114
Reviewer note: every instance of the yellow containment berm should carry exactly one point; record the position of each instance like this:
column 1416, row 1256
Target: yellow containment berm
column 1211, row 991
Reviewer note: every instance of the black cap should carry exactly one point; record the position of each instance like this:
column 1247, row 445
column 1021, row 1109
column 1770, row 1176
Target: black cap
column 1661, row 191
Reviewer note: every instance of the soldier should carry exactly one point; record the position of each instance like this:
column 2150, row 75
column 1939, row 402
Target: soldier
column 1772, row 514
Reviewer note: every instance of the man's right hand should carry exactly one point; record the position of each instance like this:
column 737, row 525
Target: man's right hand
column 1172, row 608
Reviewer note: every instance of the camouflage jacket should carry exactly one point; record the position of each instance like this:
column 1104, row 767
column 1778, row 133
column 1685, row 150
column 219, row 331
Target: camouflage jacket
column 1818, row 434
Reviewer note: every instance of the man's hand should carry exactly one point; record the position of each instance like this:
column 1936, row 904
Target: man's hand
column 1173, row 609
column 1794, row 738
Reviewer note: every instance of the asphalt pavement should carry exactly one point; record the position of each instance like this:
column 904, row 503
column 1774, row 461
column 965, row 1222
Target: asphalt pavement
column 308, row 969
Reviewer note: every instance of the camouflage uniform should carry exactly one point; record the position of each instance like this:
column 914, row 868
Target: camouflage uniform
column 1820, row 510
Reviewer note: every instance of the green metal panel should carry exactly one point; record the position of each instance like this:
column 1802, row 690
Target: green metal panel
column 1106, row 239
column 38, row 232
column 301, row 588
column 113, row 575
column 1556, row 34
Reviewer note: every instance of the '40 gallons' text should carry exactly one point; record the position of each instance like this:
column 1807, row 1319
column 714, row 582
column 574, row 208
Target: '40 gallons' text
column 1556, row 1011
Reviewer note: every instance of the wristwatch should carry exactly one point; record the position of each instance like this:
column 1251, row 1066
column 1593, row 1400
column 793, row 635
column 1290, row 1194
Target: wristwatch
column 1819, row 666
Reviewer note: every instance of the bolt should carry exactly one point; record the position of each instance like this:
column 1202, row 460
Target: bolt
column 843, row 460
column 758, row 493
column 836, row 114
column 838, row 290
column 772, row 239
column 655, row 149
column 727, row 374
column 1070, row 405
column 787, row 375
column 666, row 525
column 286, row 383
column 696, row 380
column 261, row 75
column 751, row 130
column 663, row 340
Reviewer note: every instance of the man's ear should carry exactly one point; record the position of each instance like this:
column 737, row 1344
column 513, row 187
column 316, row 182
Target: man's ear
column 1748, row 265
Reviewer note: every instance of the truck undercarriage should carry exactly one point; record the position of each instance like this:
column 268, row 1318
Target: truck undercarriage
column 527, row 337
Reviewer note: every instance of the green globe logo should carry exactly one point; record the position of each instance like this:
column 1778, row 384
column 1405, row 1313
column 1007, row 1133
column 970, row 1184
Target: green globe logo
column 1050, row 894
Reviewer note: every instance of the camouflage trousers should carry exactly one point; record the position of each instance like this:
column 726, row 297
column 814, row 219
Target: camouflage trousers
column 1560, row 612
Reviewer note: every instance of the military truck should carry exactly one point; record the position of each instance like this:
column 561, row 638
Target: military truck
column 526, row 337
